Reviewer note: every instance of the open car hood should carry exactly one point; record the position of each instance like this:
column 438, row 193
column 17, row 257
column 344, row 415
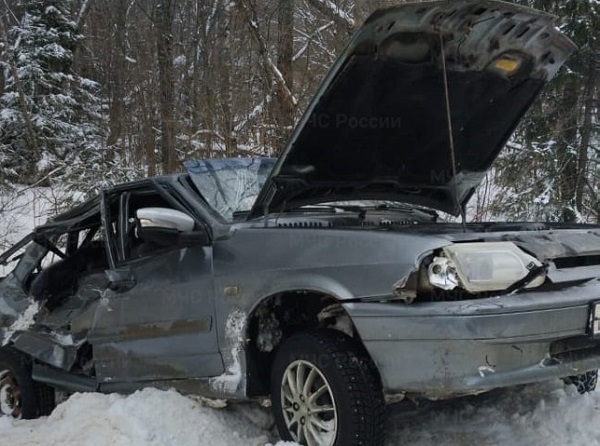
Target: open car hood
column 377, row 127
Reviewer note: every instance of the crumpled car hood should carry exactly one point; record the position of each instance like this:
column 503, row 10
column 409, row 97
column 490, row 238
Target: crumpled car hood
column 378, row 128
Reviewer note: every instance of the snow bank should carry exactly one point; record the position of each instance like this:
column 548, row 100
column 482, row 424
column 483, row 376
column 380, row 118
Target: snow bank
column 542, row 415
column 146, row 418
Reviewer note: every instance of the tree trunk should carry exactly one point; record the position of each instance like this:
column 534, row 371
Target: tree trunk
column 147, row 140
column 285, row 54
column 116, row 92
column 227, row 96
column 565, row 149
column 586, row 135
column 164, row 46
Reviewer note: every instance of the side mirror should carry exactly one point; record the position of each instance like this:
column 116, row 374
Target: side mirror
column 165, row 218
column 166, row 228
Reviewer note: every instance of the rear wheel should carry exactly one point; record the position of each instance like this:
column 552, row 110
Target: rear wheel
column 326, row 391
column 586, row 382
column 20, row 396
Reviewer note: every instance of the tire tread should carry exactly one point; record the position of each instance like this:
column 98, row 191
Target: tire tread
column 361, row 381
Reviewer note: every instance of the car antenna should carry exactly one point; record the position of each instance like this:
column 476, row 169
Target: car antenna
column 451, row 135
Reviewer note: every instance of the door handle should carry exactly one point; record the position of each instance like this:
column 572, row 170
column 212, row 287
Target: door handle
column 120, row 280
column 122, row 285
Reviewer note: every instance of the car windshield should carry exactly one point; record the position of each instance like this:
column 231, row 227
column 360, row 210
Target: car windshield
column 230, row 185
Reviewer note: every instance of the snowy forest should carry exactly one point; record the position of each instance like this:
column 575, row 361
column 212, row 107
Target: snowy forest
column 95, row 92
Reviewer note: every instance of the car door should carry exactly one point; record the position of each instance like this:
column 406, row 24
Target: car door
column 156, row 320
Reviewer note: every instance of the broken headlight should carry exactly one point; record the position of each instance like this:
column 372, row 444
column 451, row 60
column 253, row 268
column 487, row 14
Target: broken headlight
column 481, row 267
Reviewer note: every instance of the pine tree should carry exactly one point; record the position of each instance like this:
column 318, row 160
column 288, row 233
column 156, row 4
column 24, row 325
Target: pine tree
column 49, row 115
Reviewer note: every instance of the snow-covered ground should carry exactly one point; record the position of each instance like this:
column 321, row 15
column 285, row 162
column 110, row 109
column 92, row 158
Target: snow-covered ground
column 547, row 414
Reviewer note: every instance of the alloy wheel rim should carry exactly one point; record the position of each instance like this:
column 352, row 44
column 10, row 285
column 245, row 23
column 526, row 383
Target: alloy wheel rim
column 308, row 405
column 10, row 395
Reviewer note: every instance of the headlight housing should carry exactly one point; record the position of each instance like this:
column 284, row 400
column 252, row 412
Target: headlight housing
column 481, row 267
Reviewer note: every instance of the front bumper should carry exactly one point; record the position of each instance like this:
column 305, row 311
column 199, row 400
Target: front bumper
column 445, row 349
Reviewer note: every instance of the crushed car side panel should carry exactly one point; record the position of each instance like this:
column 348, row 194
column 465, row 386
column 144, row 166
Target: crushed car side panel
column 26, row 317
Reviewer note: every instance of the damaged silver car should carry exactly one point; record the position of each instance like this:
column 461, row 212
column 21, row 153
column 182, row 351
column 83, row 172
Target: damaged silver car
column 325, row 279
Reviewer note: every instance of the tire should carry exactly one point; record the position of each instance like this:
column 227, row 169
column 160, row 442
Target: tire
column 338, row 379
column 20, row 396
column 585, row 383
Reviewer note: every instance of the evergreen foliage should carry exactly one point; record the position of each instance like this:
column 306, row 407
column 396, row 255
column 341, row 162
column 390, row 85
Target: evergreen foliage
column 50, row 117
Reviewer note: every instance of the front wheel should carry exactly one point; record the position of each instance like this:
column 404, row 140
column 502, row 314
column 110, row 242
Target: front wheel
column 326, row 391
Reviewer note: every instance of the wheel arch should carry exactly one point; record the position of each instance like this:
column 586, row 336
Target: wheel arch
column 280, row 315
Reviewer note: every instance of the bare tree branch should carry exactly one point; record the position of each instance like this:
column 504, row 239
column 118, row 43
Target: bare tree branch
column 268, row 65
column 342, row 18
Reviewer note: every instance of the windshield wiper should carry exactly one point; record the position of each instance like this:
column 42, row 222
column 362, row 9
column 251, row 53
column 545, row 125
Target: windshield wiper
column 330, row 208
column 430, row 213
column 363, row 210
